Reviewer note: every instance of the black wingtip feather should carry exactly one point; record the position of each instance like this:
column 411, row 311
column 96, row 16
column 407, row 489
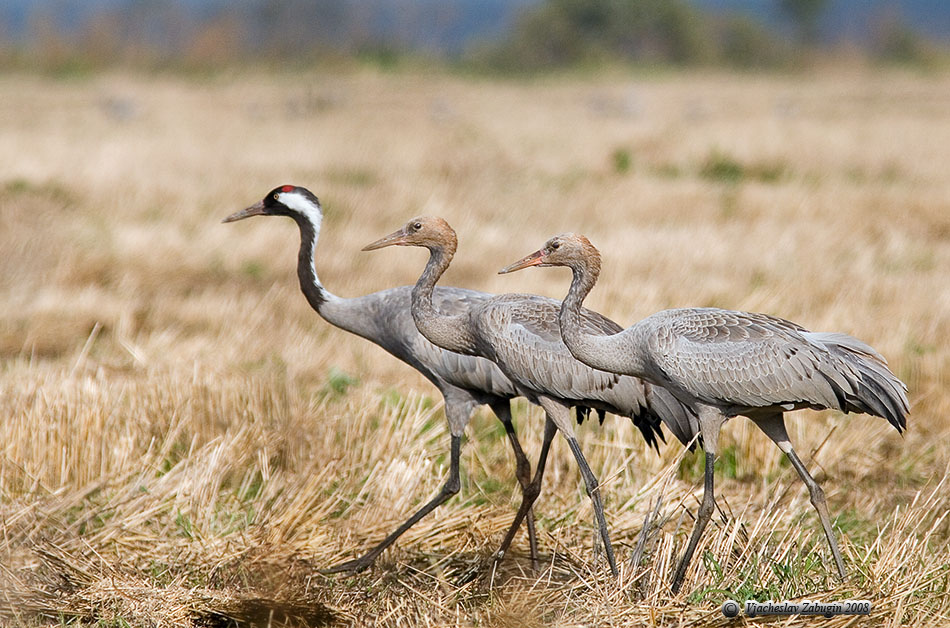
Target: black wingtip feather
column 840, row 395
column 582, row 413
column 650, row 427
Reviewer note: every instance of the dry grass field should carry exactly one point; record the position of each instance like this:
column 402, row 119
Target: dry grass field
column 184, row 442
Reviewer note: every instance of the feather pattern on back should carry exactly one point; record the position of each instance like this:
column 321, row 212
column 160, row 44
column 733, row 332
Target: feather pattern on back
column 746, row 362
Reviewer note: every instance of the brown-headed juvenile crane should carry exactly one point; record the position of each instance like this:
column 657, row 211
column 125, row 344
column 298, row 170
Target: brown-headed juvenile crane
column 519, row 333
column 723, row 363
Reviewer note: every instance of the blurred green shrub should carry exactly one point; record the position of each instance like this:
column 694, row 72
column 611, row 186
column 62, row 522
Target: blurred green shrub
column 561, row 33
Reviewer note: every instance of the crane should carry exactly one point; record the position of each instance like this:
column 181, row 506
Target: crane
column 723, row 363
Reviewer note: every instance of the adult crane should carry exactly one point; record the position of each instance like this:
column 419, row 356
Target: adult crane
column 520, row 334
column 384, row 319
column 723, row 363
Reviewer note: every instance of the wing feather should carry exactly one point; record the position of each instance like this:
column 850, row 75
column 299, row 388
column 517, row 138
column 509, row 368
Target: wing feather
column 746, row 360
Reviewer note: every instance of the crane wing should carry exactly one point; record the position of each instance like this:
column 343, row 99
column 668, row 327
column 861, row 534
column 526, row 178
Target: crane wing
column 738, row 359
column 524, row 337
column 384, row 317
column 746, row 361
column 465, row 371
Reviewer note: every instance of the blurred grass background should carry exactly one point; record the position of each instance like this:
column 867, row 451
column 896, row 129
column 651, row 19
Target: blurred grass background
column 185, row 442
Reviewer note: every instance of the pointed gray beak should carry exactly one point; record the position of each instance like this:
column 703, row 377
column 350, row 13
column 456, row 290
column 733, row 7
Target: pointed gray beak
column 257, row 209
column 396, row 238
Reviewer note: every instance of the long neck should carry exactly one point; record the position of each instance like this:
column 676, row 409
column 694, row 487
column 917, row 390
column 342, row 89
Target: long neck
column 598, row 351
column 342, row 313
column 449, row 332
column 310, row 284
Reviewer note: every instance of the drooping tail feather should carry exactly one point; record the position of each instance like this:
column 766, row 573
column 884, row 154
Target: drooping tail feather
column 674, row 414
column 649, row 425
column 874, row 388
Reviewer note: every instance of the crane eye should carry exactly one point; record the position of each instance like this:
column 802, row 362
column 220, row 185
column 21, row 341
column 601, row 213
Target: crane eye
column 416, row 226
column 276, row 196
column 555, row 245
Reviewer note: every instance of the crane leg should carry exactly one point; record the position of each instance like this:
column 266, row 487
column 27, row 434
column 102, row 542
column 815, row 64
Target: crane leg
column 710, row 422
column 450, row 488
column 560, row 415
column 593, row 490
column 818, row 501
column 522, row 472
column 774, row 428
column 532, row 491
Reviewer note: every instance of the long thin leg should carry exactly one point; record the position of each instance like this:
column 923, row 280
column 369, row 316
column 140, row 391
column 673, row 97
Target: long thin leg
column 560, row 414
column 532, row 491
column 593, row 490
column 522, row 472
column 774, row 428
column 450, row 488
column 710, row 421
column 818, row 501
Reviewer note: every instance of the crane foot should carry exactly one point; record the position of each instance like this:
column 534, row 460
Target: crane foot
column 350, row 566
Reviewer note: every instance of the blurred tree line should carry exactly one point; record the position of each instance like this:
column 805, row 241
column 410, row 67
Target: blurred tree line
column 516, row 36
column 564, row 33
column 568, row 32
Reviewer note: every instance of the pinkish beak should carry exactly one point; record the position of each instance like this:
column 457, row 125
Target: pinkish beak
column 535, row 259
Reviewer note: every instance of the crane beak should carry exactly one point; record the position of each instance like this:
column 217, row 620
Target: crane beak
column 535, row 259
column 396, row 238
column 257, row 209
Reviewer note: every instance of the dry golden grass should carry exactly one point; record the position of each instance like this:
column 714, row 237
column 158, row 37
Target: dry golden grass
column 184, row 442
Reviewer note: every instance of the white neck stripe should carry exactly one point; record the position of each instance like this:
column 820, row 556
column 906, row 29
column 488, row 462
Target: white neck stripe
column 302, row 205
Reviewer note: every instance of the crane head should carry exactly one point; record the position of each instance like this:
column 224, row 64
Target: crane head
column 567, row 249
column 430, row 232
column 286, row 200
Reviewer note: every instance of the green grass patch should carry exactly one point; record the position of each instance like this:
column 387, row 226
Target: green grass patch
column 692, row 466
column 338, row 382
column 184, row 525
column 724, row 168
column 355, row 177
column 622, row 160
column 253, row 269
column 489, row 489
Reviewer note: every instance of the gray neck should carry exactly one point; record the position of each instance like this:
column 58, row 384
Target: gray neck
column 595, row 350
column 342, row 313
column 453, row 333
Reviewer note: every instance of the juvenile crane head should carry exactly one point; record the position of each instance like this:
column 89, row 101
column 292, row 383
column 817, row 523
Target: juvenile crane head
column 568, row 249
column 430, row 232
column 286, row 200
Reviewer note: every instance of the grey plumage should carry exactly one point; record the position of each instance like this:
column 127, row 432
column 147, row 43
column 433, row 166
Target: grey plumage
column 388, row 323
column 747, row 363
column 722, row 363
